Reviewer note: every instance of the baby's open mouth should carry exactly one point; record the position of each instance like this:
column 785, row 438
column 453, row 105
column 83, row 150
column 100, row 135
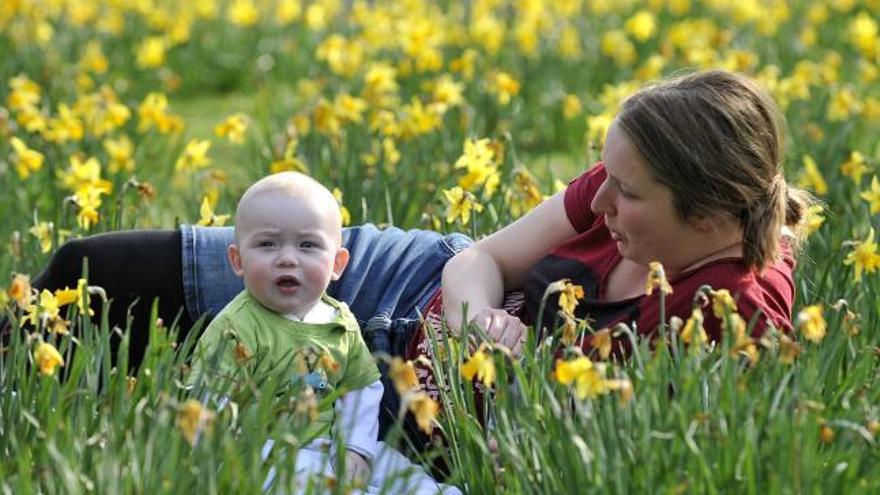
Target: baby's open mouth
column 287, row 282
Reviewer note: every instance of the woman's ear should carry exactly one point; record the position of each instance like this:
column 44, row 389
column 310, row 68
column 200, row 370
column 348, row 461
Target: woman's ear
column 234, row 256
column 339, row 263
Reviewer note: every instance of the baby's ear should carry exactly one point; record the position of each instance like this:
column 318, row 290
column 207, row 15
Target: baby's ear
column 234, row 256
column 339, row 263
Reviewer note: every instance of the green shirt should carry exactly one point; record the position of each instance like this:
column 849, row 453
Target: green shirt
column 274, row 344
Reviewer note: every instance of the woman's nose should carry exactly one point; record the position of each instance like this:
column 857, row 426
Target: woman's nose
column 602, row 202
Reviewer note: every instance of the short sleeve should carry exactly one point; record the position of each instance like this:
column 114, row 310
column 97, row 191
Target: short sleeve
column 579, row 194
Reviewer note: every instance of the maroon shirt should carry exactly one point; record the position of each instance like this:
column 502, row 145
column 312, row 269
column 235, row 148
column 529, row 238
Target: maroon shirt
column 588, row 258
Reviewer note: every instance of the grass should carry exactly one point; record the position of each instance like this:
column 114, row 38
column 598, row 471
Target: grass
column 700, row 420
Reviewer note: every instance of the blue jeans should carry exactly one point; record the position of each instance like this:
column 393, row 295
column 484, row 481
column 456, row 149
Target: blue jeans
column 391, row 276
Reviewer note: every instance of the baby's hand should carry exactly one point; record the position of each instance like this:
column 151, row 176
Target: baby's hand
column 357, row 468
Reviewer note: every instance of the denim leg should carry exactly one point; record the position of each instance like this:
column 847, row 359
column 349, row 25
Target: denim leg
column 208, row 280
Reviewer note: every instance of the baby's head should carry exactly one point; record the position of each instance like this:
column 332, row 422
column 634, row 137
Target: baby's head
column 288, row 242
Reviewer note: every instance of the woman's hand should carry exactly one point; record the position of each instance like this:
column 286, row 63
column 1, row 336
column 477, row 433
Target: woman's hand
column 503, row 328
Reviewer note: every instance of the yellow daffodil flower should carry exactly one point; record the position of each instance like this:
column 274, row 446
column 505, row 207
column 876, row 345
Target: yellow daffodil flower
column 193, row 419
column 403, row 375
column 194, row 156
column 26, row 160
column 343, row 211
column 855, row 167
column 587, row 377
column 811, row 323
column 693, row 333
column 460, row 205
column 481, row 365
column 43, row 232
column 872, row 196
column 569, row 295
column 20, row 290
column 207, row 216
column 657, row 279
column 602, row 341
column 424, row 408
column 863, row 256
column 812, row 177
column 47, row 358
column 233, row 128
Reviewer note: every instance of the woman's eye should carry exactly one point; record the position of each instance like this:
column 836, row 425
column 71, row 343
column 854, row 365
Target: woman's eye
column 627, row 195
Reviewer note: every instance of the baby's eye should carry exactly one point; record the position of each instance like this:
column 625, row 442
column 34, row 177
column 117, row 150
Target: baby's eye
column 266, row 244
column 308, row 244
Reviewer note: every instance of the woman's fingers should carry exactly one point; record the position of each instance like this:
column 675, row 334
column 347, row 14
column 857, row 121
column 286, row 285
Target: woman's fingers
column 503, row 328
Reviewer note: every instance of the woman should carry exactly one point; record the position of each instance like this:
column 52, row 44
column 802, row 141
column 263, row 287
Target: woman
column 691, row 177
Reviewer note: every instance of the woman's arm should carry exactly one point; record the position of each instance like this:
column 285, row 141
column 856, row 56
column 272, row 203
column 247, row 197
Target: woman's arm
column 480, row 275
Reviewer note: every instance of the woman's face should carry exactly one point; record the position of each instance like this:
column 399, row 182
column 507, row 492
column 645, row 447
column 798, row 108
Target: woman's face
column 638, row 209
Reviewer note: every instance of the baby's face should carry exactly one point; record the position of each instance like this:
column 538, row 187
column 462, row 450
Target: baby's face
column 288, row 250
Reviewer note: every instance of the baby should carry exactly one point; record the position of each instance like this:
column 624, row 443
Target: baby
column 288, row 248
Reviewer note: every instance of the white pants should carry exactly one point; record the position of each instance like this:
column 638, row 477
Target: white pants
column 392, row 472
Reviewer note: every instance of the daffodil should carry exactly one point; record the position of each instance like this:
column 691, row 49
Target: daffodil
column 153, row 112
column 349, row 108
column 43, row 232
column 233, row 128
column 601, row 341
column 20, row 290
column 150, row 53
column 243, row 13
column 447, row 91
column 814, row 218
column 855, row 167
column 615, row 44
column 403, row 375
column 657, row 279
column 743, row 344
column 478, row 160
column 504, row 86
column 873, row 195
column 45, row 309
column 424, row 408
column 193, row 419
column 811, row 323
column 343, row 211
column 587, row 377
column 207, row 216
column 482, row 365
column 693, row 333
column 460, row 204
column 26, row 160
column 88, row 200
column 788, row 349
column 24, row 93
column 571, row 106
column 722, row 303
column 47, row 358
column 642, row 25
column 569, row 295
column 812, row 177
column 843, row 104
column 524, row 195
column 194, row 156
column 863, row 257
column 120, row 151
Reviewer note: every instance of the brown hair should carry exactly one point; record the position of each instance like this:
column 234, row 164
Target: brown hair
column 715, row 139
